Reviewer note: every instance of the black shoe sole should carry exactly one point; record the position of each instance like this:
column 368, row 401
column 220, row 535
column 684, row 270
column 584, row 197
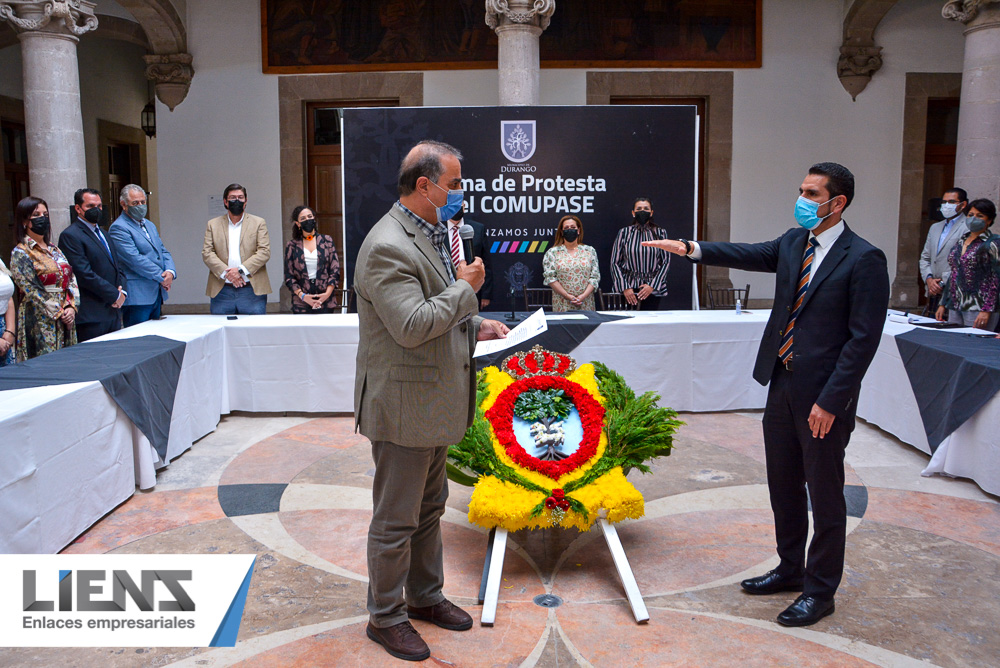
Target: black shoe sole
column 398, row 655
column 807, row 621
column 774, row 590
column 450, row 627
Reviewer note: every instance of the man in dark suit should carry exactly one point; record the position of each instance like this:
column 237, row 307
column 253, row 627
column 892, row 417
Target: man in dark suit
column 485, row 295
column 830, row 299
column 98, row 273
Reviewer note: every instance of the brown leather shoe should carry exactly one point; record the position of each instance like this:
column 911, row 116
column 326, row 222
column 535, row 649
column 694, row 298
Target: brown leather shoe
column 400, row 640
column 445, row 614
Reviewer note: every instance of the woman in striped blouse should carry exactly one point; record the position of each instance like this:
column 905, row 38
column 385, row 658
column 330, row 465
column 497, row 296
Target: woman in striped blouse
column 640, row 272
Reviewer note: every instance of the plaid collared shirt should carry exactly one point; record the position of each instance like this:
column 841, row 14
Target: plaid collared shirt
column 437, row 235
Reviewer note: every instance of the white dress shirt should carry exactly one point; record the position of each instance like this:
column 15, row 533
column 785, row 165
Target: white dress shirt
column 312, row 259
column 235, row 261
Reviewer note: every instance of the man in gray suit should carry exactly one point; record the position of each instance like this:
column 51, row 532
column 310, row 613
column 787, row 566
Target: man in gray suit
column 414, row 392
column 941, row 238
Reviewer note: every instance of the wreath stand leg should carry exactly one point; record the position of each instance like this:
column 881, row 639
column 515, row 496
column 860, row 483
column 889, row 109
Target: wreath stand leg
column 625, row 572
column 489, row 587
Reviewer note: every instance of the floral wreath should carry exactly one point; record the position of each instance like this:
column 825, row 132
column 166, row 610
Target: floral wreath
column 547, row 479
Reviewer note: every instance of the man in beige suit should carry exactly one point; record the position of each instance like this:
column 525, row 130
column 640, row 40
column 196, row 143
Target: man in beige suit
column 236, row 251
column 414, row 392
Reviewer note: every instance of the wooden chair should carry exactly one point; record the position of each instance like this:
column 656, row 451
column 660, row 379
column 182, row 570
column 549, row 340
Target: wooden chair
column 725, row 298
column 345, row 298
column 613, row 301
column 535, row 297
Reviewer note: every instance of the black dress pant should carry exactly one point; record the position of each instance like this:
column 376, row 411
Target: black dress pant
column 85, row 331
column 796, row 462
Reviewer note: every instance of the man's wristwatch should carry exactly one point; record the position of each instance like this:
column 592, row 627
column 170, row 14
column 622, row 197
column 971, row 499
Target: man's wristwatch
column 687, row 246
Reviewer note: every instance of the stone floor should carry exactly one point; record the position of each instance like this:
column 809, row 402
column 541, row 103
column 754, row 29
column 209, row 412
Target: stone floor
column 922, row 584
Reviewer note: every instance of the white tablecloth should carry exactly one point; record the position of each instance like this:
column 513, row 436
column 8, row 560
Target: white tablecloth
column 71, row 454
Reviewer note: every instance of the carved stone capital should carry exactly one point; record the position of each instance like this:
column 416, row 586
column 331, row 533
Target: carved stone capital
column 856, row 66
column 537, row 13
column 964, row 10
column 172, row 74
column 66, row 17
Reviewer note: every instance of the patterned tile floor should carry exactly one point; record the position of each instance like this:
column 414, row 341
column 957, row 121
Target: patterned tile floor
column 922, row 584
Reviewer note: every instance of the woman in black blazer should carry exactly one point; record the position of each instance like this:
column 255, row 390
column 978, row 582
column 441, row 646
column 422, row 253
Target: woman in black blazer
column 312, row 269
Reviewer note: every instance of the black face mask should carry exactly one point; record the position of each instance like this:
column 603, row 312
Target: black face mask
column 308, row 225
column 571, row 235
column 642, row 217
column 236, row 207
column 40, row 225
column 93, row 216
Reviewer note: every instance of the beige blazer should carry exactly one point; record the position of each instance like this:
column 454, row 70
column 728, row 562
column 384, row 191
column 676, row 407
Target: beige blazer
column 415, row 379
column 255, row 249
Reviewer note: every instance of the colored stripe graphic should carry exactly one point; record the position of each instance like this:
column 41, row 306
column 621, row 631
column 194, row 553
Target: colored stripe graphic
column 503, row 249
column 513, row 246
column 541, row 247
column 493, row 248
column 534, row 245
column 524, row 247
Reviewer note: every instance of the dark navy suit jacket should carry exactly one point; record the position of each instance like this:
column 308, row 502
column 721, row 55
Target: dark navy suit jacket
column 839, row 326
column 97, row 273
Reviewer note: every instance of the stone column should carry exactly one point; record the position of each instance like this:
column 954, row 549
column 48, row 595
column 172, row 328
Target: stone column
column 49, row 32
column 977, row 164
column 518, row 24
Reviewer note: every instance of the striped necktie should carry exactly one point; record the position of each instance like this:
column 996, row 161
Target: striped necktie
column 785, row 351
column 456, row 245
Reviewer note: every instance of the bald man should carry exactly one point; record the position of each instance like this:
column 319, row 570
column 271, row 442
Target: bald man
column 415, row 391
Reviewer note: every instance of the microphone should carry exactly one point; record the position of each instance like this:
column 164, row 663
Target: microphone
column 466, row 233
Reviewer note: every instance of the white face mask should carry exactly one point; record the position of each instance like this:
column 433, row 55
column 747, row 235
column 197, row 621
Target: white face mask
column 948, row 210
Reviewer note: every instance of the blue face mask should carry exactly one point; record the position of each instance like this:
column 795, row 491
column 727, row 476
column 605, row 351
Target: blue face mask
column 805, row 212
column 451, row 206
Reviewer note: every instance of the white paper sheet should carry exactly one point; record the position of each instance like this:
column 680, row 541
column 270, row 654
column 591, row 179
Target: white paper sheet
column 531, row 327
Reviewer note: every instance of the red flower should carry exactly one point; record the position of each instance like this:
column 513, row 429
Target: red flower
column 501, row 418
column 563, row 505
column 550, row 503
column 558, row 493
column 514, row 365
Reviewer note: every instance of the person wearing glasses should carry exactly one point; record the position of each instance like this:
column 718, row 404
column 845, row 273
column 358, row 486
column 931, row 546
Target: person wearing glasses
column 236, row 251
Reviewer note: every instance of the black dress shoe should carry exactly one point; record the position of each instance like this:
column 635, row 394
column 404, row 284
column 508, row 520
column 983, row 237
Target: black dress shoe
column 771, row 583
column 805, row 611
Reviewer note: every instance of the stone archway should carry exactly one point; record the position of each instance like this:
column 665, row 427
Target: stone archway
column 108, row 27
column 169, row 65
column 860, row 57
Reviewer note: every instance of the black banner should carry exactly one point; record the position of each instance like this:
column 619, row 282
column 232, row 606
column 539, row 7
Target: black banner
column 525, row 168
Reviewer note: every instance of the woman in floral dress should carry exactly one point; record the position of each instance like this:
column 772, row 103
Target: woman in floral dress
column 49, row 294
column 570, row 268
column 971, row 297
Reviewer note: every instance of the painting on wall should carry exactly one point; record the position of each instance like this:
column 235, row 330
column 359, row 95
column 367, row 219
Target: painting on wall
column 312, row 36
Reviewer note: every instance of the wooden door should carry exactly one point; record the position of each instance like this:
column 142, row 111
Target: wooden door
column 939, row 166
column 15, row 187
column 324, row 193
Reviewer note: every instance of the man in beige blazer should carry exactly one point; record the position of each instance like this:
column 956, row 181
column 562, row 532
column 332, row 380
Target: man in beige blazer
column 414, row 392
column 236, row 251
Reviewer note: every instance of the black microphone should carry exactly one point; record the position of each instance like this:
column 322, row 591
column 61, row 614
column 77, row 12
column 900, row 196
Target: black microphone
column 466, row 232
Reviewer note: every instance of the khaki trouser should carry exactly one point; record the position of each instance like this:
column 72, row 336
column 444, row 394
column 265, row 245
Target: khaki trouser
column 405, row 560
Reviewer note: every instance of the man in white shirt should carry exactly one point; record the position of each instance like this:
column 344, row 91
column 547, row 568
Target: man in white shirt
column 236, row 251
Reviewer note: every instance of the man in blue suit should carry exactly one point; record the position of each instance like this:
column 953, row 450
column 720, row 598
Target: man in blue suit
column 830, row 299
column 145, row 260
column 98, row 273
